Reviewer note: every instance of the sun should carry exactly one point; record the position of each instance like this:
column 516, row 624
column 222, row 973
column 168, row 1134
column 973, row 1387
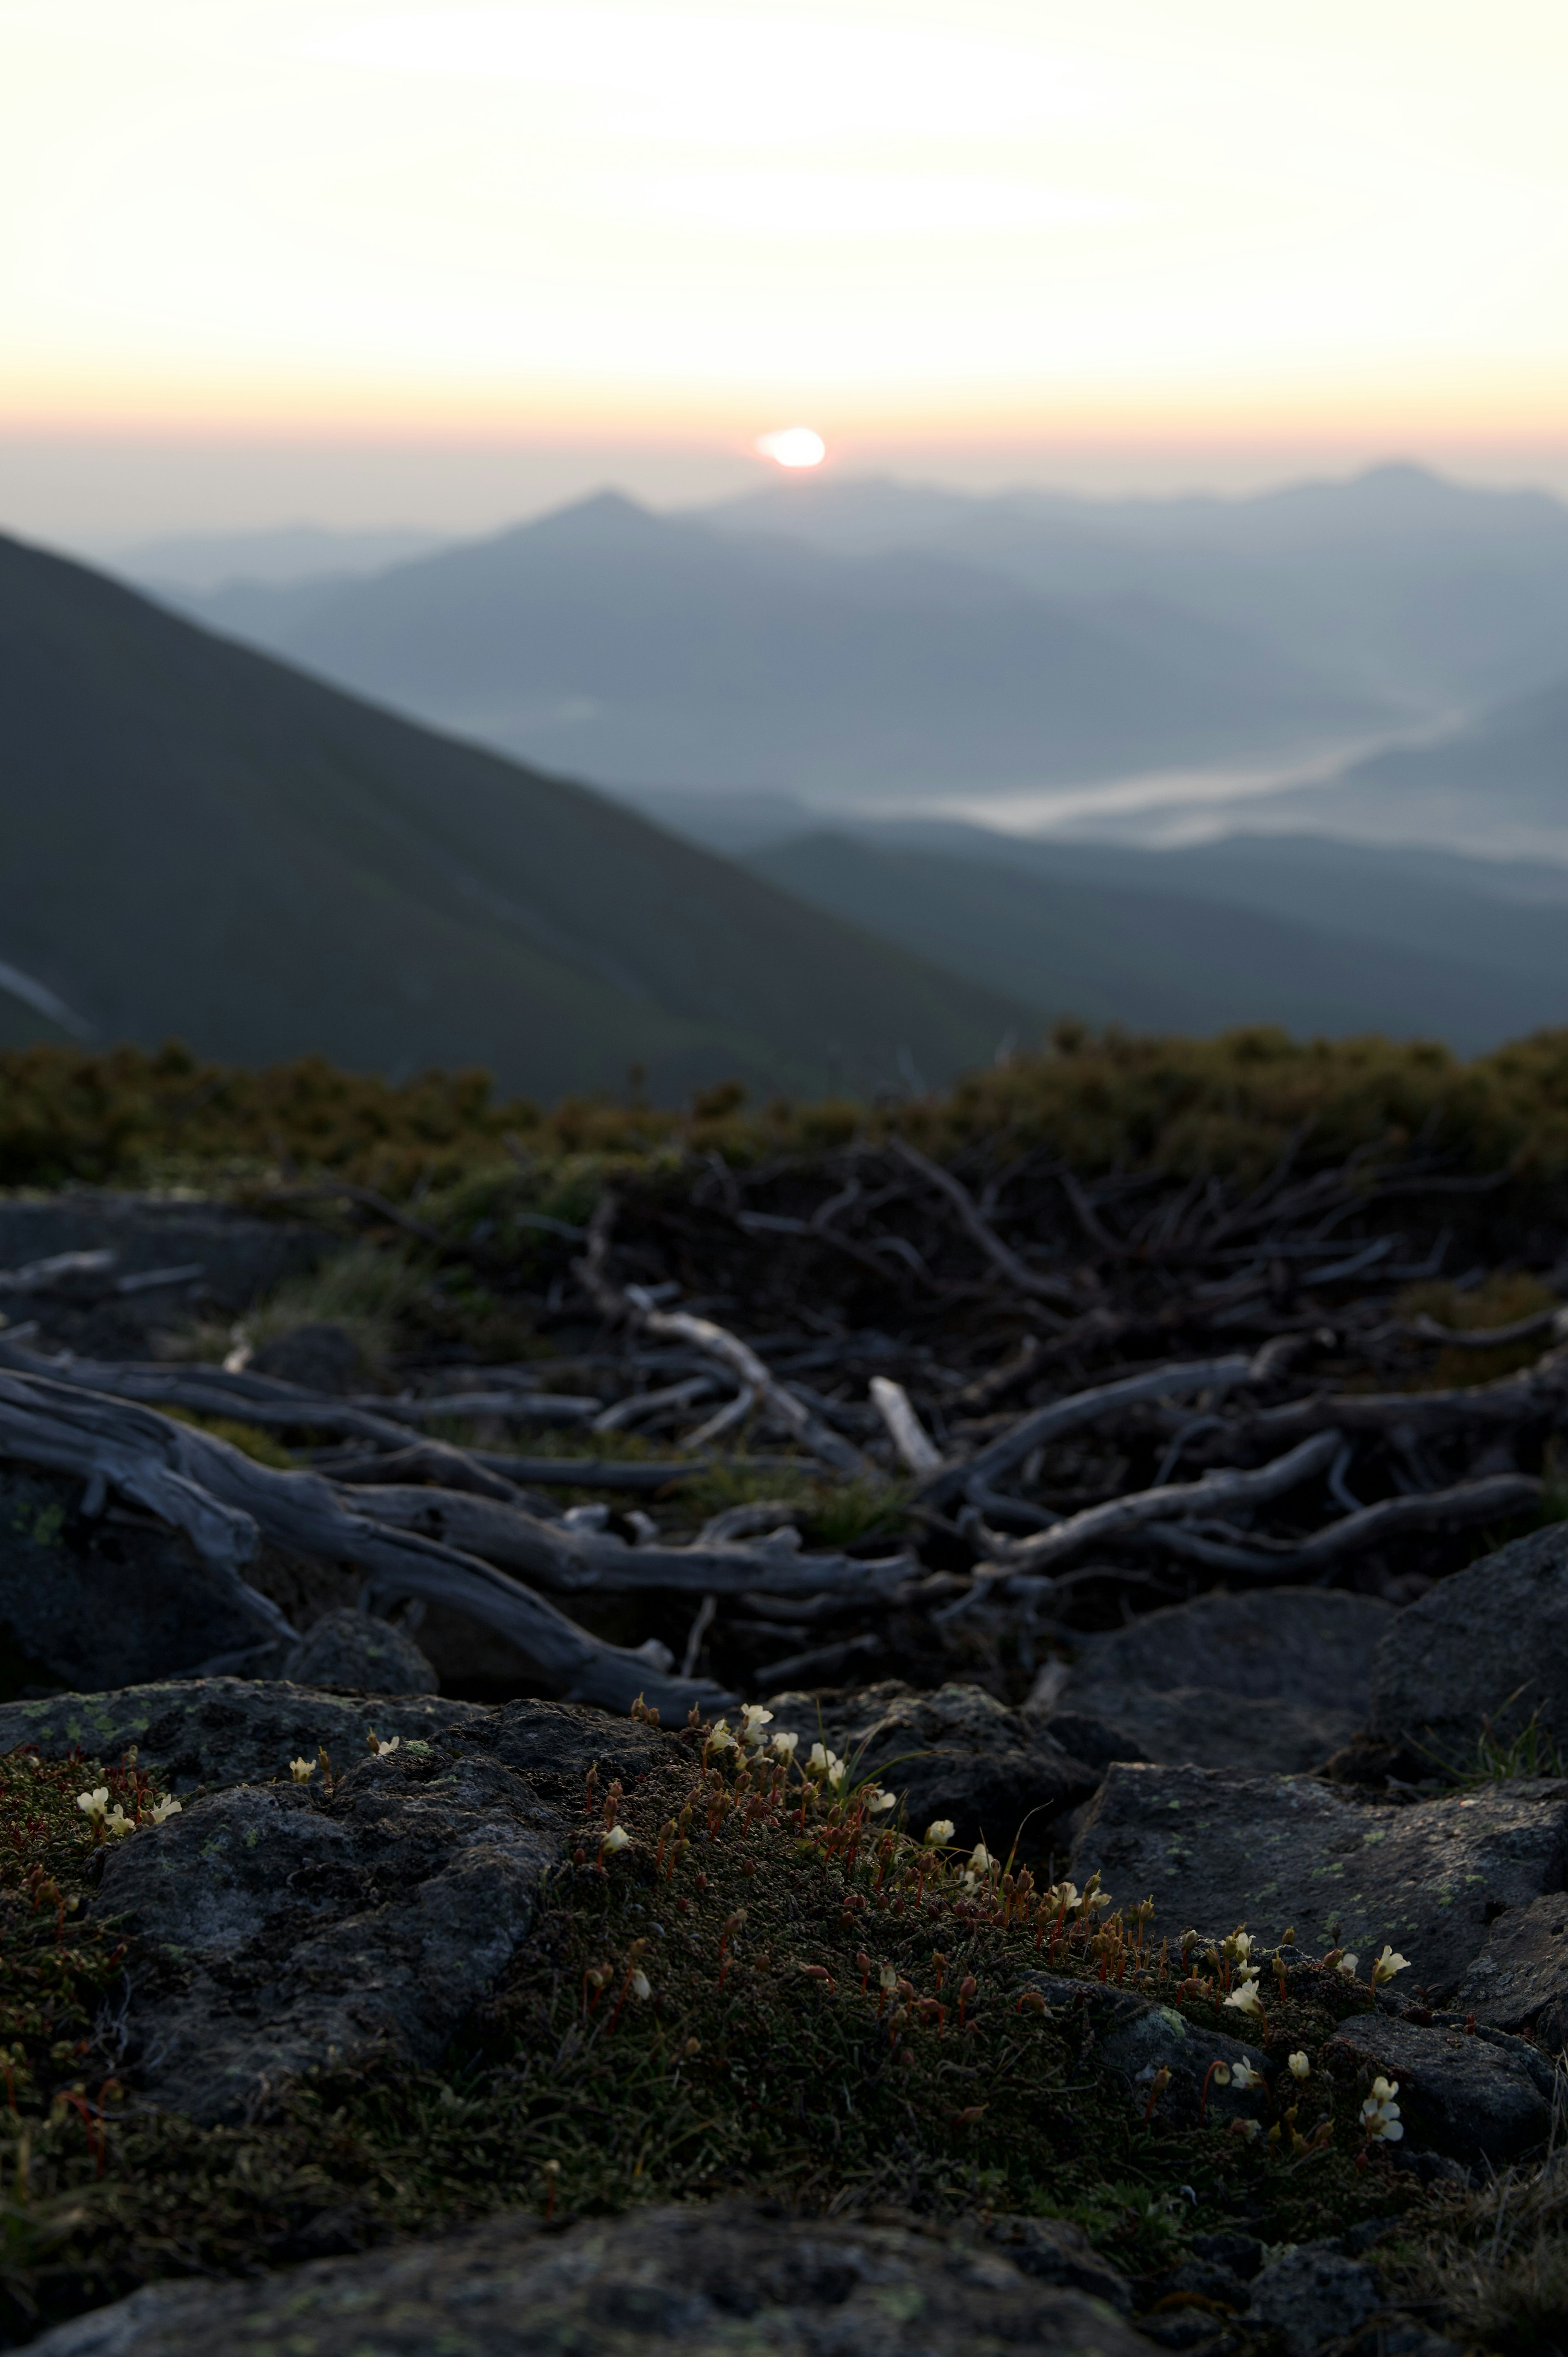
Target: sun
column 793, row 446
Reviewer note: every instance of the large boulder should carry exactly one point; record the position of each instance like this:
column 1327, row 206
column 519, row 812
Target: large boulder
column 958, row 1753
column 1468, row 2095
column 1216, row 1847
column 107, row 1601
column 1489, row 1644
column 701, row 2282
column 279, row 1927
column 226, row 1730
column 1274, row 1680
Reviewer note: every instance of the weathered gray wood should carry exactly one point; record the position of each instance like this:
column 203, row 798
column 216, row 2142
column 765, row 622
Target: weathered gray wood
column 578, row 1562
column 1178, row 1380
column 226, row 1501
column 1172, row 1501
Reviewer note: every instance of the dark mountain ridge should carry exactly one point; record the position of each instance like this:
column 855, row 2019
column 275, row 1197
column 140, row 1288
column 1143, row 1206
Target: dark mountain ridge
column 202, row 842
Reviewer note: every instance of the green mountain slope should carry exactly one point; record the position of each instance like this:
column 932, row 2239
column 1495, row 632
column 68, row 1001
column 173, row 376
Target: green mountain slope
column 1067, row 929
column 201, row 843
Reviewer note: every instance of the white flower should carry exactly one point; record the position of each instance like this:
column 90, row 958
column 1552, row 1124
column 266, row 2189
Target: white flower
column 1389, row 1963
column 614, row 1838
column 876, row 1803
column 753, row 1719
column 1243, row 2076
column 822, row 1761
column 1064, row 1898
column 1380, row 2114
column 302, row 1771
column 939, row 1831
column 783, row 1747
column 979, row 1859
column 639, row 1986
column 118, row 1823
column 719, row 1737
column 380, row 1751
column 165, row 1809
column 1300, row 2068
column 94, row 1804
column 1348, row 1964
column 1245, row 1999
column 1238, row 1947
column 887, row 1977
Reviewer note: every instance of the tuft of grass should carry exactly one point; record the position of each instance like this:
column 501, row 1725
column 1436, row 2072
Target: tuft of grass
column 369, row 1290
column 1494, row 2265
column 1497, row 1758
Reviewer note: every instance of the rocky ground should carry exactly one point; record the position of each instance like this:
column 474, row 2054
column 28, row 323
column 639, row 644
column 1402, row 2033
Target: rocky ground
column 1057, row 2008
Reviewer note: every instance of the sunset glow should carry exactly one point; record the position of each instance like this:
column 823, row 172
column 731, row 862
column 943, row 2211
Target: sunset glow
column 902, row 218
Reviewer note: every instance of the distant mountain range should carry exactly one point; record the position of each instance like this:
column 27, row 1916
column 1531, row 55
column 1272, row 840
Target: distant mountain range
column 649, row 652
column 200, row 843
column 1395, row 582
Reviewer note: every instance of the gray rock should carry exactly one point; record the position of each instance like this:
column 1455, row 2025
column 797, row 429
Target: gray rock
column 362, row 1654
column 228, row 1730
column 318, row 1357
column 1055, row 2251
column 1313, row 2295
column 955, row 1753
column 1490, row 1643
column 108, row 1601
column 1217, row 1848
column 1519, row 1980
column 1465, row 2095
column 1274, row 1681
column 1201, row 1725
column 1310, row 1646
column 279, row 1928
column 707, row 2283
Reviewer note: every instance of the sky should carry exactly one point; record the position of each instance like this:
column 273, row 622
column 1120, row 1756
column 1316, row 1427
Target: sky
column 265, row 259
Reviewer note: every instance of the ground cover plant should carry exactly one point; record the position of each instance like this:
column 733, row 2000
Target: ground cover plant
column 747, row 1978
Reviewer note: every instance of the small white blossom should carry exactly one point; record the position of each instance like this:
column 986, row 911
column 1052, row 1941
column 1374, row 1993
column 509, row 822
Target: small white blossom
column 94, row 1804
column 887, row 1977
column 939, row 1831
column 719, row 1737
column 1380, row 2114
column 753, row 1719
column 118, row 1823
column 302, row 1771
column 1300, row 2068
column 1238, row 1947
column 162, row 1811
column 1348, row 1964
column 614, row 1838
column 979, row 1859
column 783, row 1748
column 1389, row 1963
column 639, row 1985
column 1243, row 2076
column 1245, row 1999
column 822, row 1761
column 876, row 1803
column 380, row 1751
